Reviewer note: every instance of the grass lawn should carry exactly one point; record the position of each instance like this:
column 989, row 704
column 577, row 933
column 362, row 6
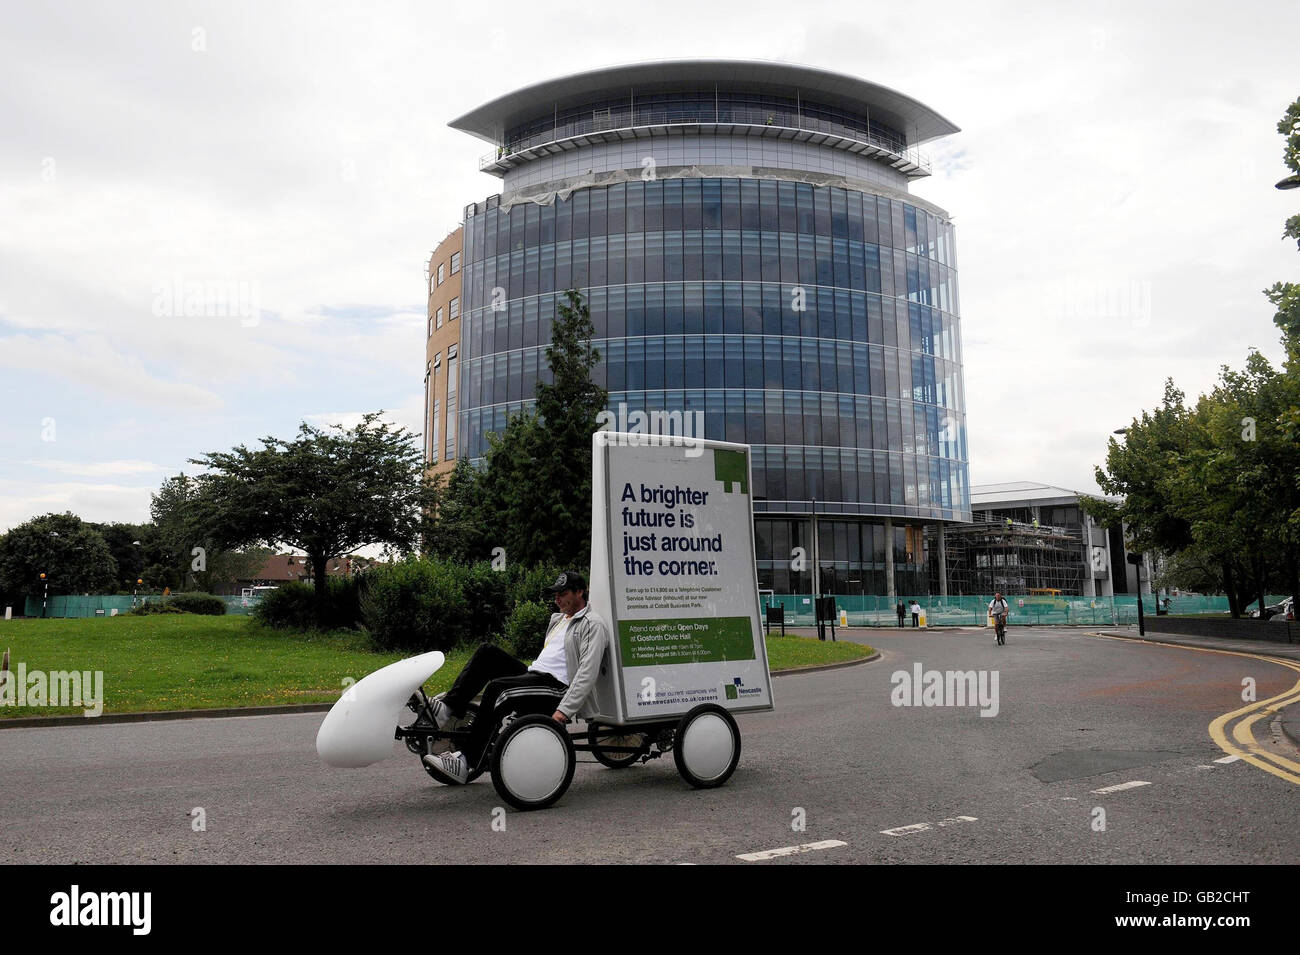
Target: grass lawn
column 185, row 661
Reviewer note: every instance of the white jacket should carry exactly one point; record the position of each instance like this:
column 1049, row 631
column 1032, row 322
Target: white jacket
column 584, row 645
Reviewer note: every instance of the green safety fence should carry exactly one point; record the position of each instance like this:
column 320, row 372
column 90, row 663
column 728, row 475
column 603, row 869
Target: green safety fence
column 92, row 606
column 972, row 611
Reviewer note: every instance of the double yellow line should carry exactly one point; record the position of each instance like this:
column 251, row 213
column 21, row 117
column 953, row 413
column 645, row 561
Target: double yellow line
column 1245, row 747
column 1243, row 740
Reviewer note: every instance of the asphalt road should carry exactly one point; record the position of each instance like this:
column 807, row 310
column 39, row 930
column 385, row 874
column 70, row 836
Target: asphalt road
column 1076, row 713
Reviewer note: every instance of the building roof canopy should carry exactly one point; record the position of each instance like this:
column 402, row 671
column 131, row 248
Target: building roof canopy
column 915, row 120
column 1025, row 493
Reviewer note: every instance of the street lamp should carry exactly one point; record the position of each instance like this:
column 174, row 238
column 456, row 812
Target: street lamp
column 1290, row 182
column 45, row 599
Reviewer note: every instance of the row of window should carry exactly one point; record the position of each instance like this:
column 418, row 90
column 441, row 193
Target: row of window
column 850, row 580
column 709, row 206
column 723, row 308
column 838, row 542
column 776, row 420
column 906, row 482
column 433, row 404
column 731, row 362
column 697, row 106
column 435, row 320
column 776, row 257
column 442, row 268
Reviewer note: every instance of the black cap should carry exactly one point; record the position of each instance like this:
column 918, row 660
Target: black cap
column 569, row 580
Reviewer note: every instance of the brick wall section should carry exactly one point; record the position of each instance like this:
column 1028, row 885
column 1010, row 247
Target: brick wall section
column 1270, row 631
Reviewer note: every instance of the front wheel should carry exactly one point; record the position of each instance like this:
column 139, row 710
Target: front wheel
column 706, row 746
column 532, row 762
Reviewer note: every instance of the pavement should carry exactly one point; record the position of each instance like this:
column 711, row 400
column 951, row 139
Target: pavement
column 1290, row 714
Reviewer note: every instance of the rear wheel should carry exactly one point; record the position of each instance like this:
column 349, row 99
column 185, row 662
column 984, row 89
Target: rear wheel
column 602, row 736
column 706, row 746
column 532, row 762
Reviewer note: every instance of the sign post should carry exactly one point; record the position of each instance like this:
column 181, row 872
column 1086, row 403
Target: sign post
column 673, row 571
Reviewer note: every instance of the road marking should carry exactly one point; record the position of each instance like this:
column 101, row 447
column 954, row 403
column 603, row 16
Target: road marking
column 1246, row 747
column 790, row 850
column 1133, row 784
column 906, row 830
column 1248, row 750
column 1227, row 759
column 926, row 827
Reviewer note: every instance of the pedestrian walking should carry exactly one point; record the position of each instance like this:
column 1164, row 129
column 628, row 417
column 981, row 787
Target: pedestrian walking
column 901, row 611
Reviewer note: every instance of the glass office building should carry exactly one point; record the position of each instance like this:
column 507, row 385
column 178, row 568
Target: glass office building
column 746, row 242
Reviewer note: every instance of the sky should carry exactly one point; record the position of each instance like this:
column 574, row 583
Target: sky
column 1112, row 190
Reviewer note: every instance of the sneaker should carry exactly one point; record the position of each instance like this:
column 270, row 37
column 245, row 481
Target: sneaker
column 449, row 768
column 442, row 714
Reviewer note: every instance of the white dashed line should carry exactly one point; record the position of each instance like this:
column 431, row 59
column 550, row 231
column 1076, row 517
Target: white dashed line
column 907, row 830
column 1228, row 759
column 790, row 850
column 926, row 827
column 1121, row 786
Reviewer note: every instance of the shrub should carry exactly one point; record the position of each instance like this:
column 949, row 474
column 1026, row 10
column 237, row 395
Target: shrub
column 526, row 629
column 154, row 606
column 293, row 605
column 415, row 604
column 199, row 603
column 528, row 584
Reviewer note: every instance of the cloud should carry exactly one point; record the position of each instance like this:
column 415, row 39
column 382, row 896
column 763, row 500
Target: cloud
column 94, row 362
column 20, row 501
column 96, row 468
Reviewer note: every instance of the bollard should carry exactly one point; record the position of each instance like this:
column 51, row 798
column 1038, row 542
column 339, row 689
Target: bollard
column 9, row 613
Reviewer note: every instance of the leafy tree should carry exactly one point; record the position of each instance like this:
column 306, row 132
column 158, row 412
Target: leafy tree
column 457, row 533
column 327, row 492
column 532, row 497
column 568, row 406
column 72, row 554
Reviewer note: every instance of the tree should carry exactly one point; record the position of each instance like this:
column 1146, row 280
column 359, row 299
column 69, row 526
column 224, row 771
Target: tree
column 568, row 406
column 456, row 532
column 327, row 492
column 532, row 497
column 72, row 554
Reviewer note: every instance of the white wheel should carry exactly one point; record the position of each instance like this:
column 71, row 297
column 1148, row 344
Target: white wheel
column 707, row 746
column 532, row 762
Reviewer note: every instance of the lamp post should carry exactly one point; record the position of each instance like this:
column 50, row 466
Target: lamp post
column 46, row 597
column 1136, row 561
column 1290, row 182
column 138, row 582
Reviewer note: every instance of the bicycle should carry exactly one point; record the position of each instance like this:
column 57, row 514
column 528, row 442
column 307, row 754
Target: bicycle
column 1000, row 627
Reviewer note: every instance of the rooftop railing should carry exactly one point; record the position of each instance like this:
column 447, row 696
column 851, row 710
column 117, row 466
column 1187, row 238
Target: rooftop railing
column 603, row 121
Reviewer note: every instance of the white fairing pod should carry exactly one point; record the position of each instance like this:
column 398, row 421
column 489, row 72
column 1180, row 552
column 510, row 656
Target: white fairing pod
column 358, row 730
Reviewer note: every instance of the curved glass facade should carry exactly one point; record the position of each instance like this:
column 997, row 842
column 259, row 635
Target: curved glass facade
column 817, row 324
column 699, row 106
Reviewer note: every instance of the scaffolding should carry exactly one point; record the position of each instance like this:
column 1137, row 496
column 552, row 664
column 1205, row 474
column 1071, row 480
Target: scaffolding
column 1003, row 555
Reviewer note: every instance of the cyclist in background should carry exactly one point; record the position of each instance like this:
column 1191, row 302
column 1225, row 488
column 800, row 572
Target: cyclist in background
column 998, row 610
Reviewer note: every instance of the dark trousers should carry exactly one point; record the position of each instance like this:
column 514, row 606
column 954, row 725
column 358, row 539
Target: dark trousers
column 900, row 618
column 494, row 671
column 916, row 619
